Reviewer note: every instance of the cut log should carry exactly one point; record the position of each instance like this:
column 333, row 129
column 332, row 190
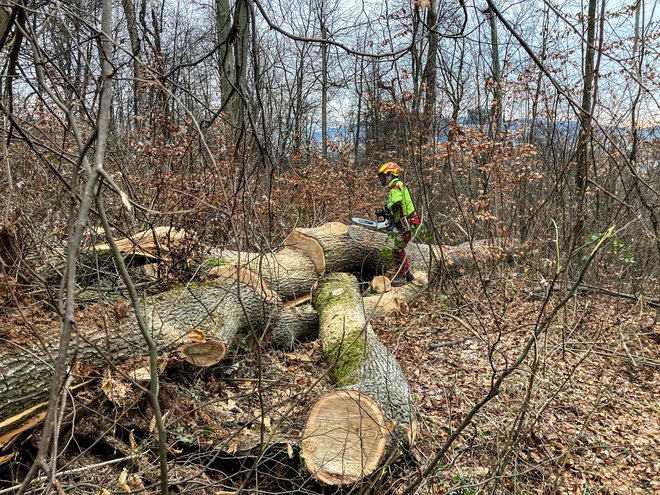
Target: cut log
column 305, row 319
column 295, row 324
column 396, row 299
column 380, row 284
column 151, row 244
column 197, row 323
column 148, row 246
column 350, row 431
column 336, row 247
column 288, row 272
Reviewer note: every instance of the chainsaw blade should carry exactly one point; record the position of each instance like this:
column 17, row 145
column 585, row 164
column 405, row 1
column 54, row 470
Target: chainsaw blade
column 371, row 223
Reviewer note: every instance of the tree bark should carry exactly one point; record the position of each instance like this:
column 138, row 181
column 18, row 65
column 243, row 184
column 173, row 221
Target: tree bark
column 335, row 247
column 350, row 431
column 148, row 246
column 136, row 47
column 324, row 88
column 288, row 272
column 380, row 301
column 251, row 293
column 196, row 323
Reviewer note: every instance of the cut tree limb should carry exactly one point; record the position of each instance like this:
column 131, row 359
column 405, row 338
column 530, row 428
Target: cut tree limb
column 349, row 432
column 141, row 248
column 395, row 299
column 288, row 272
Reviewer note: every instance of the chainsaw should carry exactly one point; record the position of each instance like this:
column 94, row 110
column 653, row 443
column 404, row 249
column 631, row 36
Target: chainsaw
column 384, row 221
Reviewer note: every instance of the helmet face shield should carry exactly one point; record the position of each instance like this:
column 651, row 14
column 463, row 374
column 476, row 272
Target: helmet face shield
column 383, row 180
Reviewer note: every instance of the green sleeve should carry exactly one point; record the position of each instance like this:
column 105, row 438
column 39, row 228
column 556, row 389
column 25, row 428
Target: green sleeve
column 394, row 196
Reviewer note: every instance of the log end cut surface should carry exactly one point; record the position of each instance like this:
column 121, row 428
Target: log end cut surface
column 203, row 354
column 301, row 242
column 345, row 437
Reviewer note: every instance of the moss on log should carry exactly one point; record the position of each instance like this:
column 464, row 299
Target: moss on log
column 349, row 432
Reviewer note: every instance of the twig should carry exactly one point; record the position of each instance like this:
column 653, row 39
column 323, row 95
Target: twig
column 636, row 360
column 448, row 343
column 655, row 303
column 74, row 471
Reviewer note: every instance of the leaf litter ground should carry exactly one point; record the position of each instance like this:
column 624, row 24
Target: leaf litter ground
column 581, row 414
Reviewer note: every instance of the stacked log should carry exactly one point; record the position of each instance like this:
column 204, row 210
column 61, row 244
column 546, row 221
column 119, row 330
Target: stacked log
column 196, row 323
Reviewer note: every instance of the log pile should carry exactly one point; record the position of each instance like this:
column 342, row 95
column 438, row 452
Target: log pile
column 267, row 295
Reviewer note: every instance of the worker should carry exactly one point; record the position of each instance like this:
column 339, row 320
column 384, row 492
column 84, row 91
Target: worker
column 405, row 218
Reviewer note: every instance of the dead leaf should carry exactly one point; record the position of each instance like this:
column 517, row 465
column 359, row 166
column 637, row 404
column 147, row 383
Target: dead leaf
column 115, row 390
column 135, row 482
column 229, row 406
column 123, row 478
column 153, row 426
column 299, row 357
column 131, row 440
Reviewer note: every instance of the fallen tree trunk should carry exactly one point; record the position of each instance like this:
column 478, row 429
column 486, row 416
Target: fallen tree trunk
column 335, row 247
column 201, row 320
column 379, row 302
column 197, row 323
column 141, row 248
column 350, row 431
column 290, row 273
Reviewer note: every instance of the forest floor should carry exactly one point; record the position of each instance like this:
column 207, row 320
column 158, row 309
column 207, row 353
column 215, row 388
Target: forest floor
column 581, row 414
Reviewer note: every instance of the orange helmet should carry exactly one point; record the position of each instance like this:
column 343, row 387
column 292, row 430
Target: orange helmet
column 388, row 168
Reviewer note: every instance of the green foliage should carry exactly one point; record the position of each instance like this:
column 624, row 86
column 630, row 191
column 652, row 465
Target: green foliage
column 183, row 437
column 425, row 234
column 615, row 246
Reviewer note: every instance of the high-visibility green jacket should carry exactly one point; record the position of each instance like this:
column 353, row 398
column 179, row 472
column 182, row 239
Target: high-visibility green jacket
column 399, row 193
